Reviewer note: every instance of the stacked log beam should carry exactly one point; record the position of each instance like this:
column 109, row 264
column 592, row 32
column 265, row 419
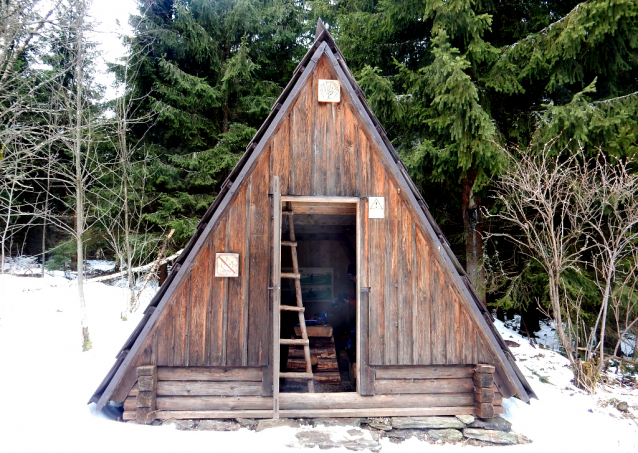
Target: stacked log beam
column 147, row 394
column 484, row 391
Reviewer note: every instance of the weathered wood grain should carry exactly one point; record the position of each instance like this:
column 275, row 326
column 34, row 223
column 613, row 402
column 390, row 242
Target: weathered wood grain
column 391, row 303
column 235, row 340
column 453, row 338
column 222, row 374
column 387, row 386
column 438, row 325
column 300, row 413
column 348, row 400
column 424, row 372
column 200, row 287
column 301, row 155
column 165, row 341
column 405, row 334
column 259, row 327
column 199, row 403
column 423, row 316
column 347, row 175
column 377, row 268
column 179, row 325
column 208, row 388
column 216, row 316
column 280, row 153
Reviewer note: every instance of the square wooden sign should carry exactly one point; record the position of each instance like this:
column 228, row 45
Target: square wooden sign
column 227, row 265
column 329, row 91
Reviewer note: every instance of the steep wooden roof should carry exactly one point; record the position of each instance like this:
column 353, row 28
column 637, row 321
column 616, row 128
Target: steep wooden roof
column 323, row 45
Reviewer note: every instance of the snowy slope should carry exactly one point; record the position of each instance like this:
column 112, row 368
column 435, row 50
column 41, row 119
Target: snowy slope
column 45, row 381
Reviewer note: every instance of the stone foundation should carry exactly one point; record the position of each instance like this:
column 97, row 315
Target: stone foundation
column 365, row 433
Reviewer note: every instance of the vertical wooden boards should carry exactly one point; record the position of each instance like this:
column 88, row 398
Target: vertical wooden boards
column 391, row 307
column 235, row 341
column 349, row 130
column 453, row 339
column 280, row 154
column 165, row 341
column 377, row 267
column 200, row 288
column 276, row 293
column 438, row 323
column 301, row 151
column 258, row 321
column 365, row 380
column 216, row 312
column 179, row 325
column 422, row 336
column 405, row 331
column 361, row 165
column 466, row 338
column 319, row 158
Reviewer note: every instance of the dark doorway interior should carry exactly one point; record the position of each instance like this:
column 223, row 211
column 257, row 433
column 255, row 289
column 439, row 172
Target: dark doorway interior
column 326, row 248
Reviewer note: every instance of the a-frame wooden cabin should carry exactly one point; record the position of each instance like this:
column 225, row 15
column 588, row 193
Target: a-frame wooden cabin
column 209, row 346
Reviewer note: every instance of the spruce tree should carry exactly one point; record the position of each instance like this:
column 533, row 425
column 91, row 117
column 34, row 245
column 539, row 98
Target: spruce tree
column 212, row 71
column 454, row 81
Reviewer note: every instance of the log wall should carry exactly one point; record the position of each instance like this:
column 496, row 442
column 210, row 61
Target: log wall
column 222, row 392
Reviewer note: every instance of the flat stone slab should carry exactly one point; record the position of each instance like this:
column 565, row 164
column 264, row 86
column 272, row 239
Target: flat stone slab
column 427, row 422
column 247, row 422
column 217, row 425
column 467, row 419
column 356, row 422
column 182, row 425
column 384, row 424
column 400, row 435
column 272, row 423
column 444, row 435
column 495, row 437
column 496, row 423
column 353, row 439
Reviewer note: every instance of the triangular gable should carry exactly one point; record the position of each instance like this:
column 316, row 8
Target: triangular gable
column 323, row 46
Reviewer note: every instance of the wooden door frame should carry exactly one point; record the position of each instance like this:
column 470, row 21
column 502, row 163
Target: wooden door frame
column 359, row 203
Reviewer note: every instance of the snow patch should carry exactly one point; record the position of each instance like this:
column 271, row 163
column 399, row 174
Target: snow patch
column 46, row 382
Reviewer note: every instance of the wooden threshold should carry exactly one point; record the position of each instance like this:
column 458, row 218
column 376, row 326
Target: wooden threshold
column 312, row 413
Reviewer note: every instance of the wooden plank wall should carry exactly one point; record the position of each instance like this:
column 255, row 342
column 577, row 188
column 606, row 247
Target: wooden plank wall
column 416, row 316
column 224, row 321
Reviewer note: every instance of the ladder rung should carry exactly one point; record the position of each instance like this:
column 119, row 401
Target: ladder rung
column 291, row 308
column 290, row 275
column 287, row 212
column 296, row 375
column 297, row 342
column 289, row 243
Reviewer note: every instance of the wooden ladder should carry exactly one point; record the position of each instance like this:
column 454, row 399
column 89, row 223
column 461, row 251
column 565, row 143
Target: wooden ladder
column 299, row 308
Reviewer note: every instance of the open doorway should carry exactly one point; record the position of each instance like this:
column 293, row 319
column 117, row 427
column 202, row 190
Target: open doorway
column 326, row 246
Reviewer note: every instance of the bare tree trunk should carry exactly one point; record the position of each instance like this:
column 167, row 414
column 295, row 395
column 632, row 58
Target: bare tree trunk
column 127, row 239
column 473, row 236
column 44, row 218
column 79, row 177
column 6, row 224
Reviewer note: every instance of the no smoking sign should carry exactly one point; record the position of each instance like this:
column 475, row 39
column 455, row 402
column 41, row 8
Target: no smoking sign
column 227, row 265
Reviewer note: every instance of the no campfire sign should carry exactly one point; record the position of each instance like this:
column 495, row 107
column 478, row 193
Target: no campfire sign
column 227, row 265
column 376, row 207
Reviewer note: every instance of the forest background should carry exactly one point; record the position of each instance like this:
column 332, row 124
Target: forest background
column 518, row 121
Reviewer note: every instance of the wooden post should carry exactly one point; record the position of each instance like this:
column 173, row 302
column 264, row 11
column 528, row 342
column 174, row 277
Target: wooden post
column 484, row 391
column 147, row 395
column 276, row 294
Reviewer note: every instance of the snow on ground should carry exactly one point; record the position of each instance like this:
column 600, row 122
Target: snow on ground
column 45, row 382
